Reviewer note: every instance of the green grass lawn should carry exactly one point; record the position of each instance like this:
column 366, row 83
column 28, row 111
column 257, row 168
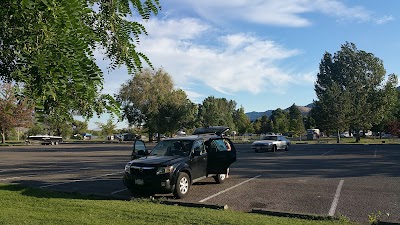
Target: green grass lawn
column 23, row 205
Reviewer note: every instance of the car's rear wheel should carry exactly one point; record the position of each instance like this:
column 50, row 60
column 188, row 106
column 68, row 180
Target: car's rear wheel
column 220, row 178
column 182, row 185
column 287, row 148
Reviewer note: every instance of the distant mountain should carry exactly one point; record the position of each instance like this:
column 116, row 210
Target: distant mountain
column 255, row 115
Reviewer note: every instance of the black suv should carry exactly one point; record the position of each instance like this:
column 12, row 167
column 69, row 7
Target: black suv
column 174, row 164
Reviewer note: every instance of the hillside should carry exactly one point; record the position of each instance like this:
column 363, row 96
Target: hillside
column 255, row 115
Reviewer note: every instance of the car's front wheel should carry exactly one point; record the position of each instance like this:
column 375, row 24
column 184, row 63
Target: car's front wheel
column 182, row 185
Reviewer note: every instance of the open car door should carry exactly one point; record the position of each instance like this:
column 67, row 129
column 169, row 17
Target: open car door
column 219, row 157
column 139, row 149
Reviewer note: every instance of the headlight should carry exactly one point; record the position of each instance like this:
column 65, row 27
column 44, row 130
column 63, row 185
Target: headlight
column 128, row 167
column 163, row 170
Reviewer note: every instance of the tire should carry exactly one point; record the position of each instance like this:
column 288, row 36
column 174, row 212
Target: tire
column 220, row 178
column 182, row 185
column 274, row 148
column 287, row 148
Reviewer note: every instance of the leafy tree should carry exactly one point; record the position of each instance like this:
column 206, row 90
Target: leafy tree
column 296, row 124
column 280, row 121
column 36, row 129
column 257, row 126
column 242, row 121
column 392, row 110
column 309, row 122
column 57, row 124
column 265, row 125
column 48, row 46
column 149, row 99
column 108, row 128
column 218, row 112
column 15, row 111
column 350, row 90
column 80, row 127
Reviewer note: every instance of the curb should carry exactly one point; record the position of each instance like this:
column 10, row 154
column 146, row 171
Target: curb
column 388, row 223
column 293, row 215
column 198, row 205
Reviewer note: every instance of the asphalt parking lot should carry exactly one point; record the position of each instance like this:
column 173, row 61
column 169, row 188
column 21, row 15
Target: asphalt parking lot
column 350, row 180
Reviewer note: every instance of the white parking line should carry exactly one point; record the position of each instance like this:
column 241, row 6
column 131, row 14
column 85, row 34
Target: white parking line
column 329, row 152
column 336, row 199
column 9, row 178
column 79, row 180
column 212, row 196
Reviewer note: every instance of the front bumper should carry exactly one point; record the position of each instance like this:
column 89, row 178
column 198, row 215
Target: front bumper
column 262, row 147
column 159, row 184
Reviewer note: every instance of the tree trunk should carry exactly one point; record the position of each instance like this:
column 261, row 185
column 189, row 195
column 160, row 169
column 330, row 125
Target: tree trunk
column 338, row 136
column 358, row 136
column 3, row 137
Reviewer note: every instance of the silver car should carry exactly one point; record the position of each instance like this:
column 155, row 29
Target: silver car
column 271, row 143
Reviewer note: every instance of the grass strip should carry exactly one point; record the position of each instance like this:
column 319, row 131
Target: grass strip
column 25, row 205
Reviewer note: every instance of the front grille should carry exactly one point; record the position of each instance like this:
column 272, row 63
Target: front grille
column 143, row 171
column 260, row 144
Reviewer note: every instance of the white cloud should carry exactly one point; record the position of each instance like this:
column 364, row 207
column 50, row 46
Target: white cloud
column 384, row 20
column 234, row 63
column 290, row 13
column 173, row 28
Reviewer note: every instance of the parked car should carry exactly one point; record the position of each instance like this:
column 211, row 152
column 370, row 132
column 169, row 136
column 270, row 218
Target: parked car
column 271, row 143
column 174, row 164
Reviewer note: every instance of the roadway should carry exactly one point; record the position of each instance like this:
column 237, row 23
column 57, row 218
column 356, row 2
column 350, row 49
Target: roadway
column 350, row 180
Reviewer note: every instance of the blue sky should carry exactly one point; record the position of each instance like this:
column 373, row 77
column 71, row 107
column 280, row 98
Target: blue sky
column 263, row 54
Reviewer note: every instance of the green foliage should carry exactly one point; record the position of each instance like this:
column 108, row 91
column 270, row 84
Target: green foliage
column 80, row 127
column 150, row 99
column 296, row 124
column 242, row 122
column 217, row 112
column 280, row 121
column 36, row 129
column 48, row 46
column 351, row 92
column 107, row 128
column 15, row 111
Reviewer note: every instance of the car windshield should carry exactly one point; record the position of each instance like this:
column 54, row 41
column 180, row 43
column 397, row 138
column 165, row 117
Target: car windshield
column 273, row 138
column 172, row 148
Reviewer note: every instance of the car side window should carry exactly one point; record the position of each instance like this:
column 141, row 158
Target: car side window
column 198, row 146
column 219, row 145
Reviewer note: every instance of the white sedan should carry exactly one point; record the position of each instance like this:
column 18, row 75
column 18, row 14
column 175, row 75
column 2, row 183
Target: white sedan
column 271, row 143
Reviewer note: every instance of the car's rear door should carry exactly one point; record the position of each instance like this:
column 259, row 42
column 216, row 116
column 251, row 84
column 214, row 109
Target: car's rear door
column 219, row 158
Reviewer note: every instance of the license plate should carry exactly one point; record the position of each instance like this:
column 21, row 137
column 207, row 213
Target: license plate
column 139, row 181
